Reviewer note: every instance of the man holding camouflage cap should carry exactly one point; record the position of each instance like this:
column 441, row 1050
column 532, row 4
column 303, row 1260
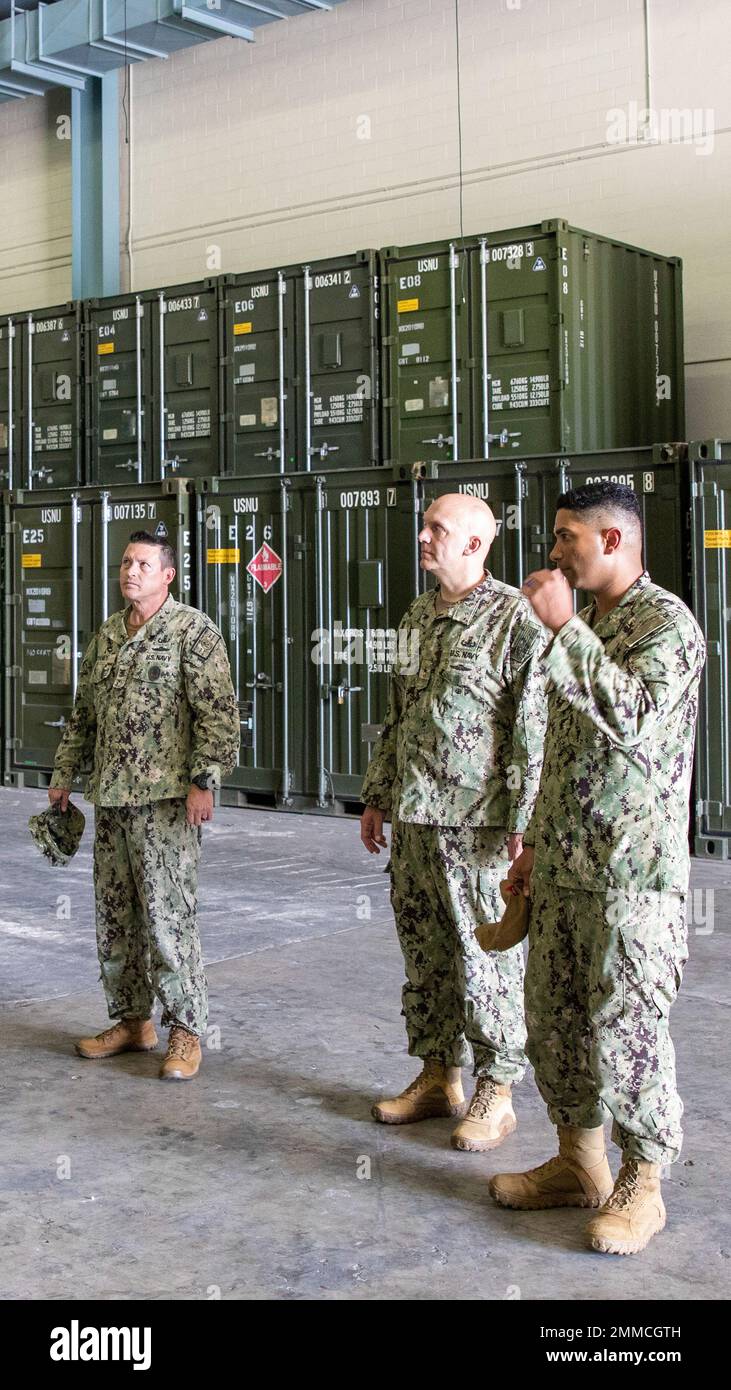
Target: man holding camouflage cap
column 456, row 767
column 606, row 865
column 156, row 716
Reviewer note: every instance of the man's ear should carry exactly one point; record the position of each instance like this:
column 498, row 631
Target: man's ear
column 612, row 539
column 472, row 545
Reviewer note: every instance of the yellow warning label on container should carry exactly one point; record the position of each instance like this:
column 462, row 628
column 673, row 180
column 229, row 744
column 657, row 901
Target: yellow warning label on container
column 104, row 347
column 224, row 557
column 242, row 328
column 717, row 540
column 407, row 306
column 30, row 562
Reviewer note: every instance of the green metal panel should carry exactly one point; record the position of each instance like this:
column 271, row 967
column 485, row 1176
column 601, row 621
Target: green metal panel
column 58, row 570
column 362, row 552
column 187, row 429
column 710, row 474
column 265, row 627
column 426, row 352
column 53, row 392
column 561, row 339
column 11, row 420
column 48, row 439
column 301, row 366
column 258, row 364
column 118, row 389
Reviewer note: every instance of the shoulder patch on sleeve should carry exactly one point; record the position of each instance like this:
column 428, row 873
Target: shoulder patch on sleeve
column 656, row 623
column 205, row 643
column 523, row 643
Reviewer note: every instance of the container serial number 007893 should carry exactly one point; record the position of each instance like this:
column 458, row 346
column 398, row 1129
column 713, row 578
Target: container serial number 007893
column 361, row 497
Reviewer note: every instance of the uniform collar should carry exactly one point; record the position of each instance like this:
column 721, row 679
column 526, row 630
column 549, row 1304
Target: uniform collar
column 149, row 628
column 464, row 611
column 613, row 619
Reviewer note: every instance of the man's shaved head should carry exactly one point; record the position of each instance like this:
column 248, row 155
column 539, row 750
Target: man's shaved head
column 457, row 533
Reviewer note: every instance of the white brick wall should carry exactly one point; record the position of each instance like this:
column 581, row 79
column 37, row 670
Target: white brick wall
column 255, row 148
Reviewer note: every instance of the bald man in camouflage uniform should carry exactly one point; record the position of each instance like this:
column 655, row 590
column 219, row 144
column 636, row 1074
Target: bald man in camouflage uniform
column 456, row 767
column 156, row 716
column 606, row 865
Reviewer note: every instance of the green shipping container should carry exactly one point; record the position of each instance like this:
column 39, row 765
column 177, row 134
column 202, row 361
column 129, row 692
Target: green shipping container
column 710, row 481
column 62, row 554
column 307, row 578
column 118, row 389
column 41, row 398
column 301, row 366
column 532, row 340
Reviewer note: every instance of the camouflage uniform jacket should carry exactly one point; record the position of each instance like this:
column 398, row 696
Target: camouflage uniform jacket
column 612, row 808
column 462, row 741
column 151, row 711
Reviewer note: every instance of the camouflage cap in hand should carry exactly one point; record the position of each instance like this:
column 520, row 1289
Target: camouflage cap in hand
column 58, row 833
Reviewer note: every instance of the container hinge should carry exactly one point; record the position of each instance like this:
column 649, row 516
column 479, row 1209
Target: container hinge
column 12, row 743
column 704, row 489
column 12, row 600
column 14, row 671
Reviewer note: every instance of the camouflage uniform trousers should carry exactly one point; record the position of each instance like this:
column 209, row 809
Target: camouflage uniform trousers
column 603, row 970
column 146, row 881
column 460, row 1003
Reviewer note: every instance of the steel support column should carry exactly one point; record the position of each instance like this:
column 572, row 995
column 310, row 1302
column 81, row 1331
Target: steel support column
column 95, row 188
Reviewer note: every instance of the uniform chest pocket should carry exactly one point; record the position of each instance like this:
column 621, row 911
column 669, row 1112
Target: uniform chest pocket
column 480, row 678
column 103, row 670
column 157, row 673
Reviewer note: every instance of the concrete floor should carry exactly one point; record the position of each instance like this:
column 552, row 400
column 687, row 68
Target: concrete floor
column 251, row 1181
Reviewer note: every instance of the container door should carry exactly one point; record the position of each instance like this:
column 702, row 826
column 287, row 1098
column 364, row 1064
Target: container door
column 516, row 344
column 258, row 373
column 711, row 587
column 48, row 581
column 187, row 428
column 253, row 587
column 52, row 389
column 120, row 415
column 337, row 304
column 361, row 536
column 10, row 405
column 427, row 345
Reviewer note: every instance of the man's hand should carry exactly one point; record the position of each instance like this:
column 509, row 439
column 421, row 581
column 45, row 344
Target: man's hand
column 371, row 830
column 59, row 796
column 551, row 598
column 521, row 870
column 198, row 806
column 515, row 846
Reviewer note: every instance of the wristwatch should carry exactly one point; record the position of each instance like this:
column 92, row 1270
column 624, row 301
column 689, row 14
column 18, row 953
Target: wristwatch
column 205, row 781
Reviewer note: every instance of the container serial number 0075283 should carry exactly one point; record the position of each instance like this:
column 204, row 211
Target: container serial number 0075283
column 361, row 497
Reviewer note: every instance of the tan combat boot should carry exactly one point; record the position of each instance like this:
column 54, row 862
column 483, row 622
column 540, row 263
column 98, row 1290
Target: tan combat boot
column 489, row 1119
column 633, row 1214
column 183, row 1056
column 578, row 1176
column 129, row 1035
column 436, row 1093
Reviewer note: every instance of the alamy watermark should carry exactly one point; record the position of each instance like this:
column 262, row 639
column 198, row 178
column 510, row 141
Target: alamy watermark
column 667, row 125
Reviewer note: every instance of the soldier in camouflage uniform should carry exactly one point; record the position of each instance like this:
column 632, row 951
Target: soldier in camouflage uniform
column 456, row 767
column 156, row 717
column 606, row 864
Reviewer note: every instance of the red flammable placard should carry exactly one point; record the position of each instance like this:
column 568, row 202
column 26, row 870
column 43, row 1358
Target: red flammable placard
column 266, row 567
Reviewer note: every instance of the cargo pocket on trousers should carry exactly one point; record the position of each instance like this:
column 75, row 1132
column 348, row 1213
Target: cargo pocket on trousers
column 651, row 972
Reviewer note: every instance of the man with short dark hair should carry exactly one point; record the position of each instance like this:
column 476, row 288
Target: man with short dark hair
column 606, row 865
column 156, row 716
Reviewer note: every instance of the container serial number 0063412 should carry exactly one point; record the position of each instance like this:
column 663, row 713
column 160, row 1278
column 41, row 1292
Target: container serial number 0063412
column 361, row 497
